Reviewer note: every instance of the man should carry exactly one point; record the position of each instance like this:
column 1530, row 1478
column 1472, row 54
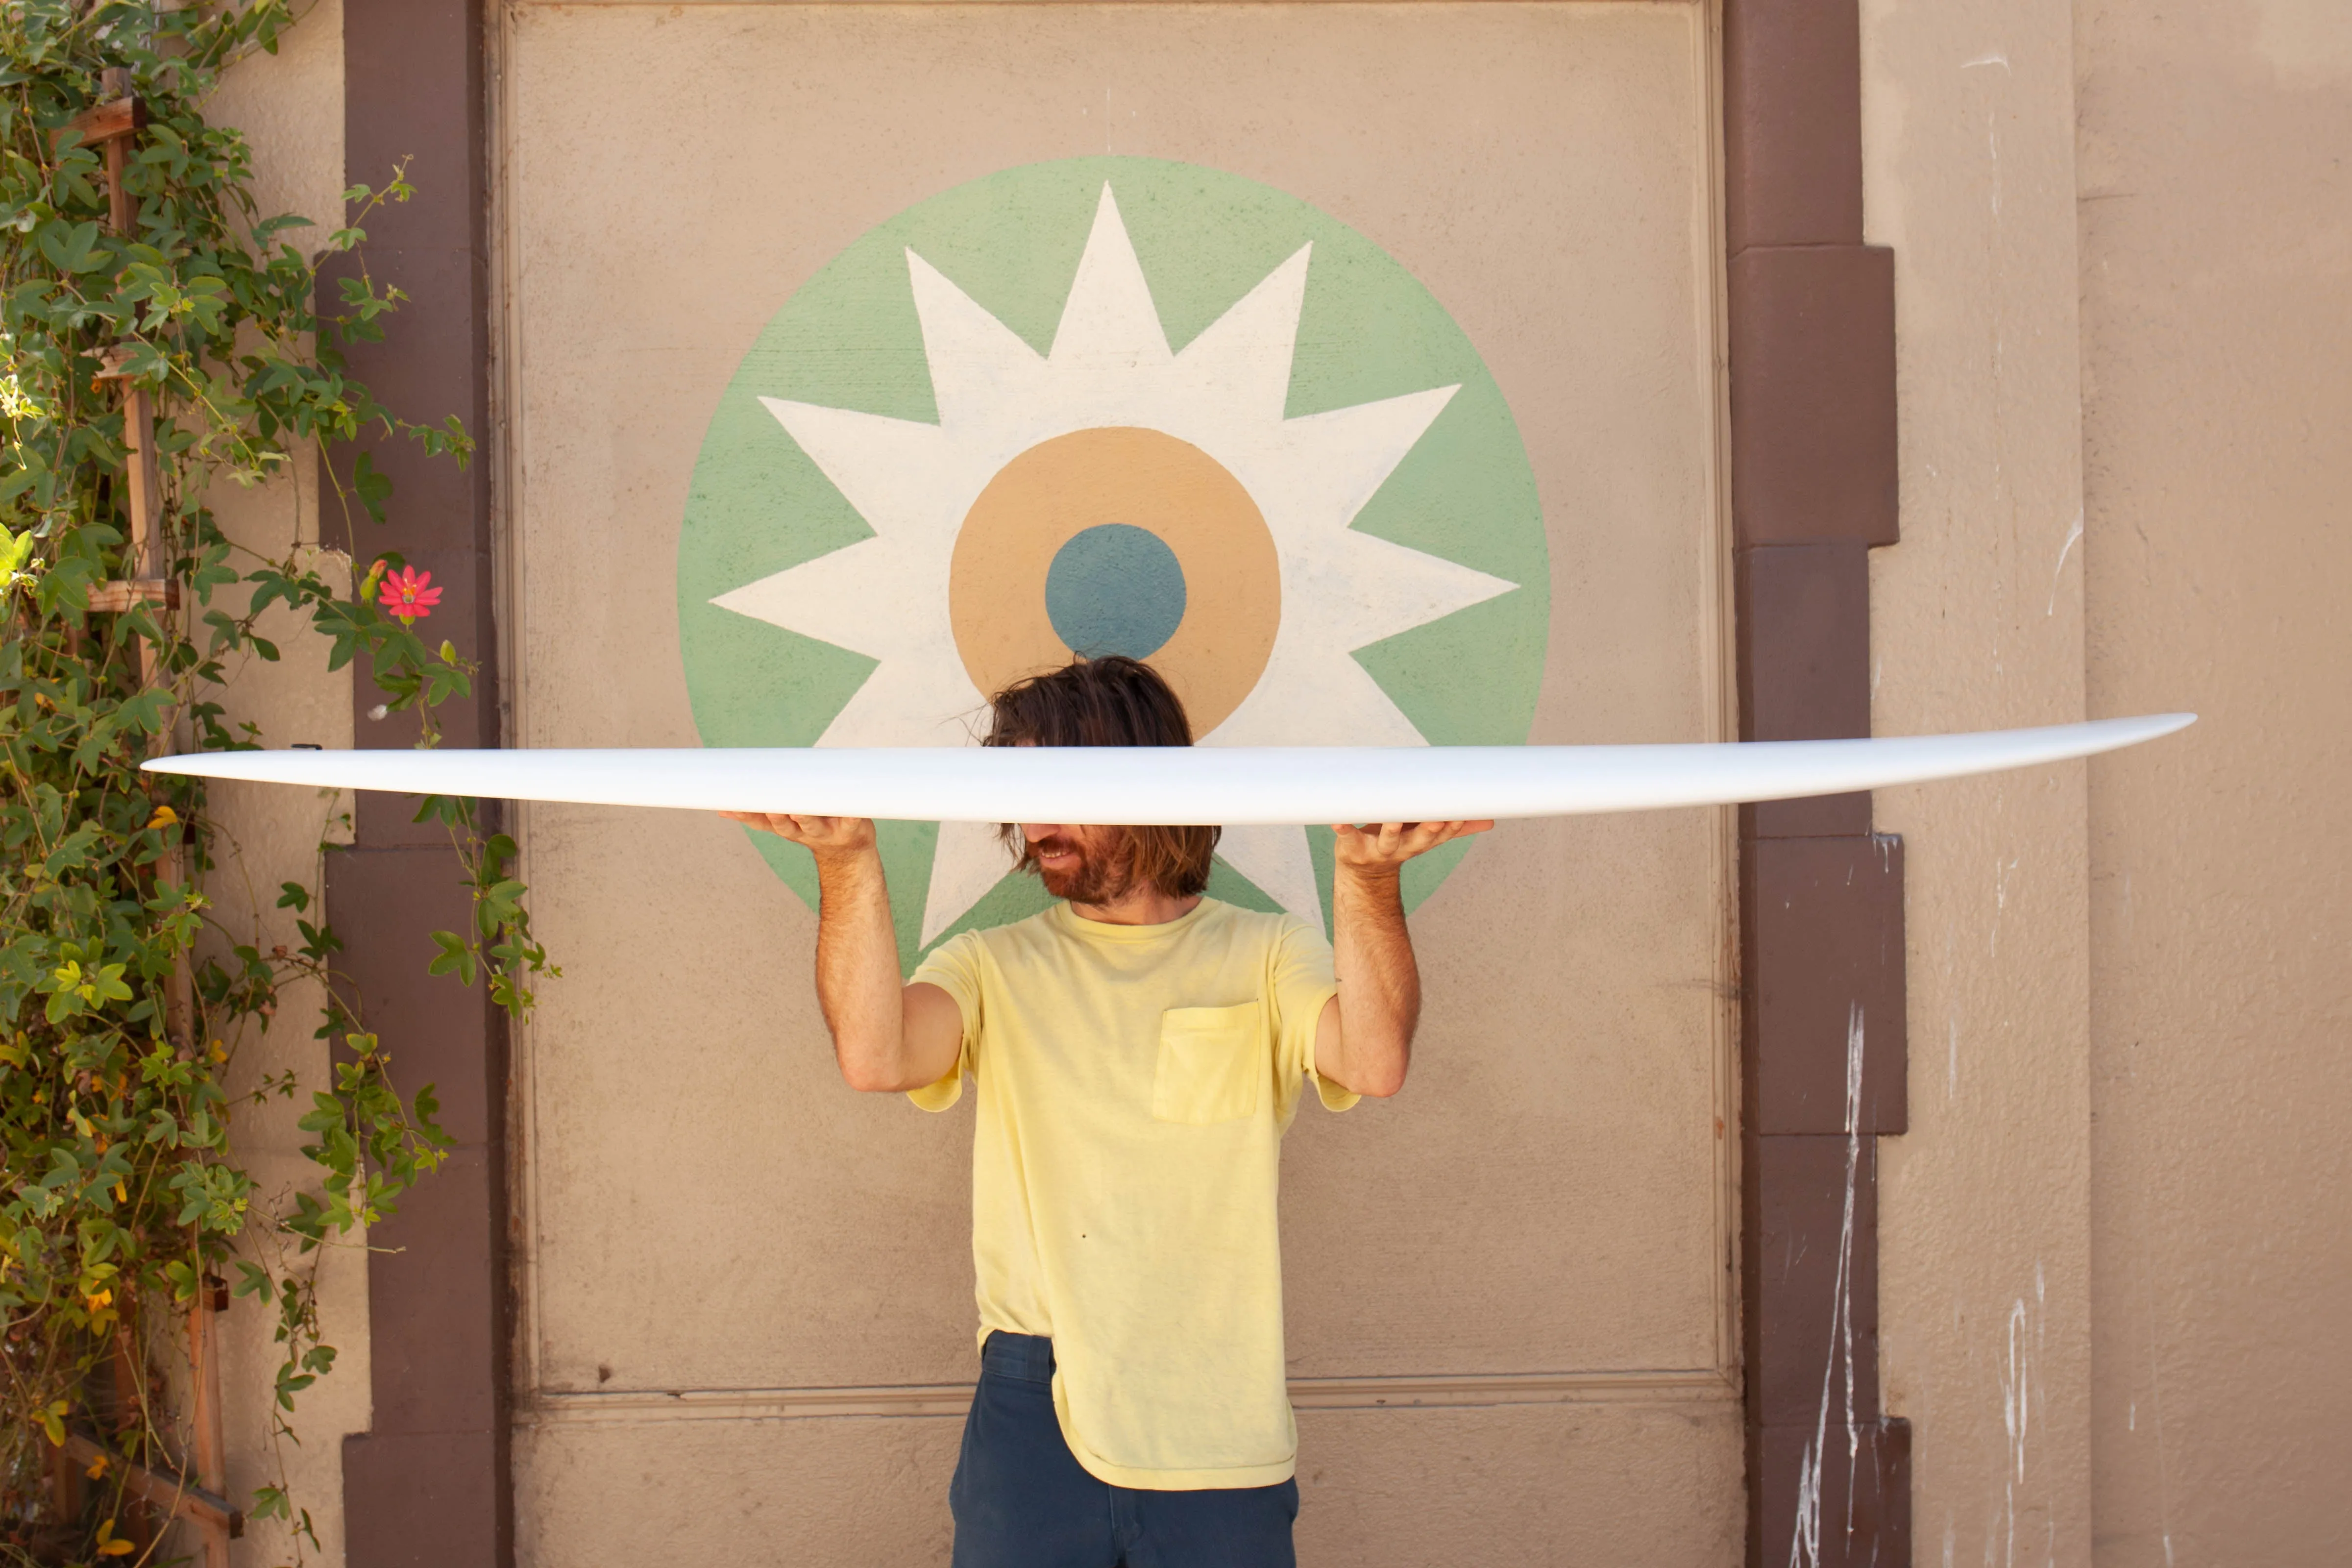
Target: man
column 1138, row 1050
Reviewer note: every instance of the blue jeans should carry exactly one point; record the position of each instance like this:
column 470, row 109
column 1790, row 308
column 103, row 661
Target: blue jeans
column 1021, row 1500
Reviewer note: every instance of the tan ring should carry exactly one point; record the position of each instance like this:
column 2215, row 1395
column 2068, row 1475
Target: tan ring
column 1145, row 478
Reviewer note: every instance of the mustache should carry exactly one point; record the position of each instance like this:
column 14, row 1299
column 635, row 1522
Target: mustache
column 1096, row 861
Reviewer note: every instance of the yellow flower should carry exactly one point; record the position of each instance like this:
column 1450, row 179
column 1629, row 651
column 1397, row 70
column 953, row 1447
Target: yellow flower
column 164, row 818
column 14, row 401
column 101, row 1301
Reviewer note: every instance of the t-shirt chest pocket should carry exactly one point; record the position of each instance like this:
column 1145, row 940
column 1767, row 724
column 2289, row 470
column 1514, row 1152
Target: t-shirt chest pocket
column 1212, row 1064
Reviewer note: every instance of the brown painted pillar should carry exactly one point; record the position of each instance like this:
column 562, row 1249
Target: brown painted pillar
column 1822, row 1026
column 427, row 1483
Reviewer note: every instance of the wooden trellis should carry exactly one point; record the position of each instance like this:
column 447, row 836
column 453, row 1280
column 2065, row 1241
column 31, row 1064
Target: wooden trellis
column 111, row 126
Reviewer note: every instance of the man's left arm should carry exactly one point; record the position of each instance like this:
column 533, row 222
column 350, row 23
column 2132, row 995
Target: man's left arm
column 1363, row 1041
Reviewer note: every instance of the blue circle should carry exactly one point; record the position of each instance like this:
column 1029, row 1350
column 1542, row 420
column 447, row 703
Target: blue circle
column 1115, row 588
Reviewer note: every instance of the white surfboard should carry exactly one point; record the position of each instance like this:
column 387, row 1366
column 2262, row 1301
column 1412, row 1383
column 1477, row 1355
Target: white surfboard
column 1232, row 785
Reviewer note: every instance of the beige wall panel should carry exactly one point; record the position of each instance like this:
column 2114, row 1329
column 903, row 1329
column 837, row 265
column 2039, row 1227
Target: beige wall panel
column 1591, row 1484
column 846, row 1490
column 290, row 108
column 712, row 1208
column 707, row 1207
column 2217, row 299
column 1543, row 1196
column 1975, row 622
column 1657, row 1486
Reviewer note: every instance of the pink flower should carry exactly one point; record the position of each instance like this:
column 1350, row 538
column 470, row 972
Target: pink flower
column 407, row 594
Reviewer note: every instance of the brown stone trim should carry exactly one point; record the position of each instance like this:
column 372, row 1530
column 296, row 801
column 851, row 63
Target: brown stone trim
column 1812, row 453
column 1812, row 394
column 1791, row 122
column 1804, row 651
column 1823, row 1035
column 1868, row 1482
column 1812, row 1353
column 429, row 1482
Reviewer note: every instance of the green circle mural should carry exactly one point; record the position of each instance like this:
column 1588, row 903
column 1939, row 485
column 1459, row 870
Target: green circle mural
column 1121, row 401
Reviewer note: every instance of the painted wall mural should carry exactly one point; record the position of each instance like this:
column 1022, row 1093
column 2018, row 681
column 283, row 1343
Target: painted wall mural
column 1111, row 405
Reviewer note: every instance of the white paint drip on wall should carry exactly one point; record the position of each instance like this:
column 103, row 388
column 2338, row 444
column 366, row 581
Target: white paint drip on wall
column 2156, row 1416
column 1993, row 147
column 2021, row 1388
column 2058, row 574
column 2016, row 1393
column 1990, row 58
column 2000, row 874
column 2041, row 1349
column 1805, row 1542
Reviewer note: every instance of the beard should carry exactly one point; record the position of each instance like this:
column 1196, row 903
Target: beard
column 1105, row 871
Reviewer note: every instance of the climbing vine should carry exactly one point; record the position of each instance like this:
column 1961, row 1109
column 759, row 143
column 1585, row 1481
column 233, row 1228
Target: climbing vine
column 126, row 994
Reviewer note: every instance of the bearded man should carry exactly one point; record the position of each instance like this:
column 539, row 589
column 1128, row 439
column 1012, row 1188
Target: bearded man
column 1137, row 1051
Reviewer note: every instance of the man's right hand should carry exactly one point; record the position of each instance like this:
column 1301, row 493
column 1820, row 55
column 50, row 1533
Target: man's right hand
column 825, row 834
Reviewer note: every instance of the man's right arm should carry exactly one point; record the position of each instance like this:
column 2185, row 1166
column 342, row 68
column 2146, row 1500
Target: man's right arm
column 887, row 1037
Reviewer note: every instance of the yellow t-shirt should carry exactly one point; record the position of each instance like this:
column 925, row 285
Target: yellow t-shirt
column 1134, row 1083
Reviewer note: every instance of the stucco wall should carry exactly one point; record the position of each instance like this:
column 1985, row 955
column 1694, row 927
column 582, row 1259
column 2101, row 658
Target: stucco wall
column 290, row 108
column 1975, row 622
column 2216, row 234
column 2114, row 1262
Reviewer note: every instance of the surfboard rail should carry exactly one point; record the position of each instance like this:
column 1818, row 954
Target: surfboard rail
column 1230, row 785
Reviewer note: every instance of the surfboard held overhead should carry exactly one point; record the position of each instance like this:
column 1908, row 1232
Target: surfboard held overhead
column 1230, row 786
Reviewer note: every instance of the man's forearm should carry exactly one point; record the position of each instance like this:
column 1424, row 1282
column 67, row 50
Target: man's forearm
column 1379, row 985
column 857, row 968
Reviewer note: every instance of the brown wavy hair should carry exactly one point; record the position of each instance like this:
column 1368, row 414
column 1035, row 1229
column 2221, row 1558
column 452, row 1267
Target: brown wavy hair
column 1113, row 700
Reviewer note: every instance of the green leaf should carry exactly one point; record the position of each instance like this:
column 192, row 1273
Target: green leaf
column 456, row 956
column 269, row 228
column 71, row 248
column 371, row 485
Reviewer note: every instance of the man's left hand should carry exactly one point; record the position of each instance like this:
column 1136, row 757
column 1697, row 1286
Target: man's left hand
column 1386, row 846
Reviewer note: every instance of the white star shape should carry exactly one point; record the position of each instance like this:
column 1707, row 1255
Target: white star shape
column 887, row 596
